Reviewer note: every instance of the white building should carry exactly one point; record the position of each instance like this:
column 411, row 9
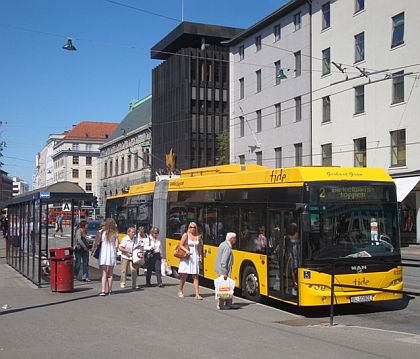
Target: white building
column 365, row 85
column 270, row 121
column 44, row 170
column 76, row 155
column 19, row 186
column 125, row 156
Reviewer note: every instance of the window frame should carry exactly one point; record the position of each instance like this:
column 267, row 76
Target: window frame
column 278, row 157
column 298, row 108
column 241, row 51
column 394, row 29
column 359, row 147
column 358, row 96
column 326, row 116
column 258, row 113
column 258, row 43
column 258, row 75
column 357, row 7
column 277, row 66
column 397, row 81
column 326, row 16
column 298, row 63
column 398, row 148
column 241, row 88
column 326, row 61
column 277, row 32
column 298, row 154
column 357, row 49
column 326, row 154
column 259, row 159
column 297, row 20
column 277, row 111
column 241, row 126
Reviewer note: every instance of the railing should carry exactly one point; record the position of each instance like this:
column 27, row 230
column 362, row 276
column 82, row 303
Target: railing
column 343, row 262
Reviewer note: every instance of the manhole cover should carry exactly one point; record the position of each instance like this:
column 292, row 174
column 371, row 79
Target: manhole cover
column 301, row 322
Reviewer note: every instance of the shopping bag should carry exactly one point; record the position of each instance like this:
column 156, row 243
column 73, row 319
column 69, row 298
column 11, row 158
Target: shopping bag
column 165, row 268
column 224, row 288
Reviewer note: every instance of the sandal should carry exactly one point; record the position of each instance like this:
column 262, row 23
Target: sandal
column 102, row 294
column 198, row 297
column 180, row 295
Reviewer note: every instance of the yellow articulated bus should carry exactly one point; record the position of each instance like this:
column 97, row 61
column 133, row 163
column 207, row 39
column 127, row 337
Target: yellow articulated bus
column 291, row 225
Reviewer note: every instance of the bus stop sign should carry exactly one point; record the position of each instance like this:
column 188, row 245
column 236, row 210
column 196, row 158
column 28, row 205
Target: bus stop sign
column 66, row 207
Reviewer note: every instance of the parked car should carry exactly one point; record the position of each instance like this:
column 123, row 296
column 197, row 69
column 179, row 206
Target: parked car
column 93, row 227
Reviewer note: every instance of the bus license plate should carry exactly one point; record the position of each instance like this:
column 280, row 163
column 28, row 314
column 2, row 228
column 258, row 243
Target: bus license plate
column 361, row 299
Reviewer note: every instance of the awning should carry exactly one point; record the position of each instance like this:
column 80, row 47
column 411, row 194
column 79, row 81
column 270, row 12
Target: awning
column 405, row 185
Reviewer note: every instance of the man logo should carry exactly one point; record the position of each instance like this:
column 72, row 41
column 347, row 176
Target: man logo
column 358, row 269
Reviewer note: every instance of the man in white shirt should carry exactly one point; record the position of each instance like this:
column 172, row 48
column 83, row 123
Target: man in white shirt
column 127, row 246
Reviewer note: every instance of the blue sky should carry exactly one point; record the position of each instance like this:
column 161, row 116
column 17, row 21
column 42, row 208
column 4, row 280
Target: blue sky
column 45, row 89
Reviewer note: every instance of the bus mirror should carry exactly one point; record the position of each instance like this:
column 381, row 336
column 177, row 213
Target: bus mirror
column 300, row 207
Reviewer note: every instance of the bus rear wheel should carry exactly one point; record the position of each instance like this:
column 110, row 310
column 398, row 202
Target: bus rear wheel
column 251, row 284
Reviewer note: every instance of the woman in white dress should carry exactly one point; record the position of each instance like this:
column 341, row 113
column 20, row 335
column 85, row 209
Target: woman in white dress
column 108, row 254
column 190, row 244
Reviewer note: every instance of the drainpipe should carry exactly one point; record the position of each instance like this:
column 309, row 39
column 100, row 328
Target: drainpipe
column 310, row 83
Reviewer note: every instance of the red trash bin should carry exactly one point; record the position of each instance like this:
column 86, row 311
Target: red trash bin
column 61, row 266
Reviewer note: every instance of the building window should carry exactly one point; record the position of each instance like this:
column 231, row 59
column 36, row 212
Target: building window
column 88, row 147
column 75, row 147
column 146, row 157
column 241, row 52
column 88, row 161
column 122, row 165
column 278, row 114
column 241, row 159
column 297, row 21
column 277, row 153
column 359, row 5
column 136, row 161
column 326, row 109
column 75, row 173
column 259, row 158
column 298, row 108
column 241, row 88
column 298, row 64
column 398, row 144
column 397, row 30
column 359, row 47
column 360, row 158
column 325, row 15
column 258, row 74
column 88, row 187
column 326, row 151
column 398, row 87
column 277, row 32
column 241, row 126
column 88, row 173
column 277, row 65
column 129, row 163
column 326, row 61
column 298, row 154
column 116, row 167
column 259, row 120
column 105, row 170
column 258, row 43
column 75, row 160
column 359, row 99
column 110, row 168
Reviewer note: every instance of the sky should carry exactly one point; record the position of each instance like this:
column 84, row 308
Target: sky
column 45, row 90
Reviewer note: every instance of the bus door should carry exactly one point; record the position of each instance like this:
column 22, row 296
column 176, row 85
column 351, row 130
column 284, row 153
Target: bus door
column 283, row 253
column 275, row 250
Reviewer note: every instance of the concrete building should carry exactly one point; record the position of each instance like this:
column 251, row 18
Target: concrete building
column 190, row 95
column 270, row 116
column 125, row 156
column 44, row 170
column 76, row 155
column 365, row 82
column 19, row 186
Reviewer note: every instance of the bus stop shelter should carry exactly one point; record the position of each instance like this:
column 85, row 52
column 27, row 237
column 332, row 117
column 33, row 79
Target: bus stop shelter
column 30, row 228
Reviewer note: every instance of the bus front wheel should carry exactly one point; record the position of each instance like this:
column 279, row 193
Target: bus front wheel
column 250, row 284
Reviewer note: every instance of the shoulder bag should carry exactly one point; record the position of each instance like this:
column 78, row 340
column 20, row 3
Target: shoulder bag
column 179, row 252
column 97, row 251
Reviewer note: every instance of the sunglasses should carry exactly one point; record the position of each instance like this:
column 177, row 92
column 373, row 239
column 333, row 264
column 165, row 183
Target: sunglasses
column 192, row 227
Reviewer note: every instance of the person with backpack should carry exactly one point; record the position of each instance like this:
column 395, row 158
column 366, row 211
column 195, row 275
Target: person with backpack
column 81, row 251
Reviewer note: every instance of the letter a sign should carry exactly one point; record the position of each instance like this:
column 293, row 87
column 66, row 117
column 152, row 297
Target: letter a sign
column 66, row 207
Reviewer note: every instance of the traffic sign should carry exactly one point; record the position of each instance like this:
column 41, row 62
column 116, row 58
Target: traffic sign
column 44, row 194
column 66, row 207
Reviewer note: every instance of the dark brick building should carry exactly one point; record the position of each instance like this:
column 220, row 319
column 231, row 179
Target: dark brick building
column 190, row 94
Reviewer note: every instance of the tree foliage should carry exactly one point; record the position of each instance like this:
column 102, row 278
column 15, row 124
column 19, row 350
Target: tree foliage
column 222, row 148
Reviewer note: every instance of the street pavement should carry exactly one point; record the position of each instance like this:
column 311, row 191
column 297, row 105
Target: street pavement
column 155, row 323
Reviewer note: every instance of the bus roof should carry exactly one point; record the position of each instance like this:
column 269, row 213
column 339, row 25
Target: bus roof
column 238, row 176
column 254, row 176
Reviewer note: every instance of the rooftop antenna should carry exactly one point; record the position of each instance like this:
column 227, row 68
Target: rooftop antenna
column 182, row 10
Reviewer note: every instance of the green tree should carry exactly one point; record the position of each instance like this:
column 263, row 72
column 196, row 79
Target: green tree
column 222, row 148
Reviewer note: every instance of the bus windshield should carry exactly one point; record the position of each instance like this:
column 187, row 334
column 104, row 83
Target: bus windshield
column 352, row 222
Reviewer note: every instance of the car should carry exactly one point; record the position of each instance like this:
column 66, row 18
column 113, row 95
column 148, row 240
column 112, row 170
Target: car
column 93, row 227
